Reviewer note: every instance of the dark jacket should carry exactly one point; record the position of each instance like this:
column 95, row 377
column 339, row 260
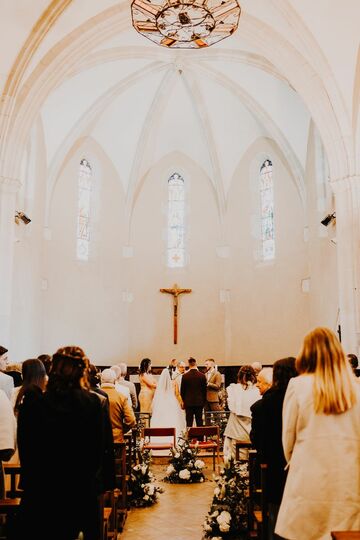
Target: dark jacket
column 61, row 445
column 266, row 436
column 193, row 388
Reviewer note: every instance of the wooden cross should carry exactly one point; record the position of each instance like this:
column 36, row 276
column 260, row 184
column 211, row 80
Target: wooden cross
column 175, row 292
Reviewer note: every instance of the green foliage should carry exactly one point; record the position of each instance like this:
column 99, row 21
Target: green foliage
column 227, row 516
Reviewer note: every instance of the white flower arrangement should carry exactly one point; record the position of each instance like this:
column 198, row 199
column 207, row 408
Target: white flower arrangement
column 144, row 492
column 227, row 517
column 184, row 467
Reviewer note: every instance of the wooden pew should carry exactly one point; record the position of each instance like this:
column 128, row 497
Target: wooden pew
column 121, row 491
column 258, row 507
column 13, row 470
column 8, row 509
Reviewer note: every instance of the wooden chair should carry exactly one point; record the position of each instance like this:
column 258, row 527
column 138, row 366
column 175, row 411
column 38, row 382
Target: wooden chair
column 258, row 515
column 120, row 501
column 159, row 432
column 241, row 445
column 206, row 438
column 13, row 470
column 345, row 535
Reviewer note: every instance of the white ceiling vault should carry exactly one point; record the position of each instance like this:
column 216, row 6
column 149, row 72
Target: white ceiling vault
column 83, row 69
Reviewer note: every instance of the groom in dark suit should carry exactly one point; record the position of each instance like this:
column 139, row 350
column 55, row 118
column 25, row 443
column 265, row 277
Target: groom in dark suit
column 193, row 393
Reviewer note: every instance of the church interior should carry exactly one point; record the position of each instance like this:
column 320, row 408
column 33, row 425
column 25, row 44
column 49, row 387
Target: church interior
column 224, row 174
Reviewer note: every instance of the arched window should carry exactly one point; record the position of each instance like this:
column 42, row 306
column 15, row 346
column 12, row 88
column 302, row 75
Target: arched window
column 84, row 208
column 267, row 211
column 176, row 222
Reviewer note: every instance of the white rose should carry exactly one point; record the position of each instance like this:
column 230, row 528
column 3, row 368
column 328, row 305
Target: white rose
column 201, row 479
column 184, row 474
column 150, row 489
column 224, row 527
column 216, row 492
column 146, row 497
column 224, row 518
column 199, row 464
column 170, row 469
column 177, row 455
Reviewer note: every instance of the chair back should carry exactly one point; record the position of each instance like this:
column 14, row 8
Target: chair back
column 159, row 432
column 203, row 431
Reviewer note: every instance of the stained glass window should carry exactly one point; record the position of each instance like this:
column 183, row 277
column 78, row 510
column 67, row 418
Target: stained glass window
column 84, row 207
column 176, row 222
column 267, row 211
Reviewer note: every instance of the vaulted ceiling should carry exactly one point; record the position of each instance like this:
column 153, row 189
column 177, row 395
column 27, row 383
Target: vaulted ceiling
column 83, row 69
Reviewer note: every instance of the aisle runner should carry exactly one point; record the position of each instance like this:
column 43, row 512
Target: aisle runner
column 178, row 515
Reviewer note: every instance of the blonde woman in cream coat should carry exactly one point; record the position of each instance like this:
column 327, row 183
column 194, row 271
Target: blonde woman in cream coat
column 321, row 440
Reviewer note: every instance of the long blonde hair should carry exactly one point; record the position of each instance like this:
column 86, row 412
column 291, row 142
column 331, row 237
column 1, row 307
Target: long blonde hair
column 334, row 381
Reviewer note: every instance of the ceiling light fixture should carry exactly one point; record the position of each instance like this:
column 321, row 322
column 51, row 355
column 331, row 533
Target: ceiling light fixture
column 185, row 24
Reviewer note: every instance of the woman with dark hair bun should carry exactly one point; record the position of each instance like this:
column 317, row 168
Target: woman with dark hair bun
column 61, row 444
column 147, row 386
column 240, row 397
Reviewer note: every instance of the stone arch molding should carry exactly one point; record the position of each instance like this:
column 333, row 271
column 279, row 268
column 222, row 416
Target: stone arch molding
column 316, row 87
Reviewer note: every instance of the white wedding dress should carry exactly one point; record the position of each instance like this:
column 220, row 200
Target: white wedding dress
column 166, row 409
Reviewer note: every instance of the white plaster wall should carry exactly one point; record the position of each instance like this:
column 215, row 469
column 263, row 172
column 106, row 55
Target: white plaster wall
column 83, row 303
column 269, row 313
column 112, row 307
column 322, row 254
column 27, row 313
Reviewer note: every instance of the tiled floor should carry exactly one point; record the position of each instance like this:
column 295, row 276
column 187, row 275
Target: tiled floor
column 178, row 515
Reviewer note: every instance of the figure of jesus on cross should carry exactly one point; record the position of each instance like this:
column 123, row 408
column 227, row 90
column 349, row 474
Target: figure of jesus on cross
column 175, row 293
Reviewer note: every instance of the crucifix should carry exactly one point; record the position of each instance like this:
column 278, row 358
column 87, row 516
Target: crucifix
column 175, row 293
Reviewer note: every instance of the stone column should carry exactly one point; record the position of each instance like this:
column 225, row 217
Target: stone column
column 347, row 202
column 8, row 191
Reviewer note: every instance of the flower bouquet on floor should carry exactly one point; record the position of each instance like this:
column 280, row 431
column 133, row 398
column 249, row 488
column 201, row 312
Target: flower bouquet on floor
column 184, row 466
column 142, row 487
column 227, row 517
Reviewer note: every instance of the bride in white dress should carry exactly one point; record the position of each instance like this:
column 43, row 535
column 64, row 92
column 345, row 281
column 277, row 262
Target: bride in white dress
column 166, row 406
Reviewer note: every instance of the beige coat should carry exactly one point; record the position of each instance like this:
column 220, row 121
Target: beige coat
column 322, row 491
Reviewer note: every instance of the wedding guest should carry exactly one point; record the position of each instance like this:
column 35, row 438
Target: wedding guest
column 106, row 474
column 240, row 397
column 321, row 441
column 119, row 386
column 47, row 361
column 271, row 452
column 7, row 435
column 213, row 386
column 263, row 383
column 60, row 438
column 354, row 362
column 33, row 373
column 147, row 386
column 129, row 384
column 257, row 367
column 121, row 413
column 193, row 393
column 94, row 376
column 6, row 382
